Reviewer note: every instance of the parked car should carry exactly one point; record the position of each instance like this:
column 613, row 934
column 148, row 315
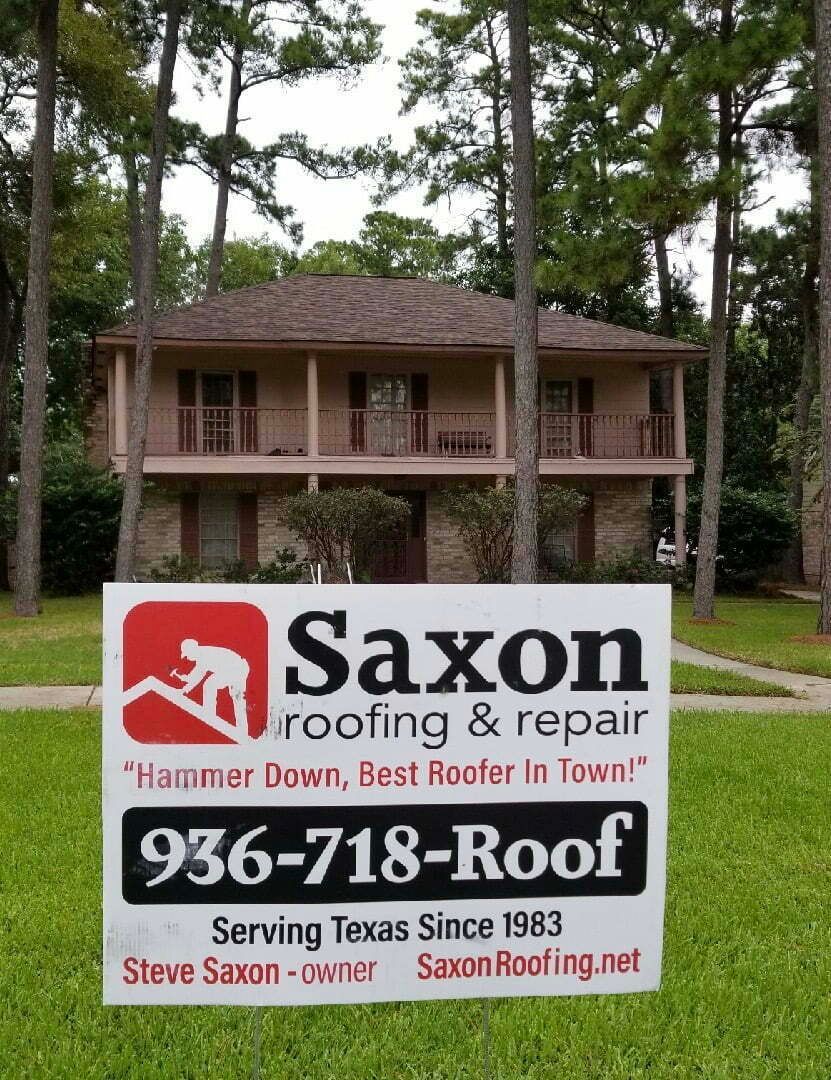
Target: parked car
column 665, row 551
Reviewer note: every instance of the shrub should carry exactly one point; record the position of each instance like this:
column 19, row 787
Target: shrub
column 484, row 518
column 624, row 569
column 182, row 568
column 282, row 570
column 81, row 515
column 755, row 528
column 339, row 525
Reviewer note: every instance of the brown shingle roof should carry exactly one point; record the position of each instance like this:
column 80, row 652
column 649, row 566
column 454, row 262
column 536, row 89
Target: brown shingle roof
column 321, row 308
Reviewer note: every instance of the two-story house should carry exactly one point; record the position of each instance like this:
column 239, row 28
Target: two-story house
column 318, row 380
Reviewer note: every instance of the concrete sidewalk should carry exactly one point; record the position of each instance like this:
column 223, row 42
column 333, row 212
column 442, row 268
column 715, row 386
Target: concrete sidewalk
column 50, row 697
column 814, row 692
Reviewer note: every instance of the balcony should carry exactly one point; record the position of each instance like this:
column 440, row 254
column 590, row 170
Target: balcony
column 222, row 431
column 402, row 433
column 370, row 433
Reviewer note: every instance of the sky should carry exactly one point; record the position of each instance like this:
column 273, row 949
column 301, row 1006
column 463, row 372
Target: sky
column 331, row 115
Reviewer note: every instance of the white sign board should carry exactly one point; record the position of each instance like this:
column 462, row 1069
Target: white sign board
column 322, row 794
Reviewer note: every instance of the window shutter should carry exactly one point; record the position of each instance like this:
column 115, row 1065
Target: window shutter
column 419, row 403
column 585, row 534
column 357, row 407
column 186, row 390
column 247, row 390
column 585, row 407
column 189, row 516
column 248, row 551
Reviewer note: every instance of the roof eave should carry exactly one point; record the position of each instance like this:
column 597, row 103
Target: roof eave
column 662, row 355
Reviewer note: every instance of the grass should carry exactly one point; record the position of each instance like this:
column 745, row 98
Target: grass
column 746, row 972
column 61, row 647
column 694, row 679
column 759, row 631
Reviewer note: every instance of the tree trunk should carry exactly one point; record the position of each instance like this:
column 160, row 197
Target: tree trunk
column 27, row 588
column 705, row 571
column 823, row 29
column 133, row 224
column 10, row 327
column 134, row 475
column 499, row 151
column 666, row 316
column 524, row 559
column 733, row 313
column 226, row 166
column 793, row 565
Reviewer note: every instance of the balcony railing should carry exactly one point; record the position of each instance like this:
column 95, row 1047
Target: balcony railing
column 402, row 433
column 220, row 430
column 607, row 435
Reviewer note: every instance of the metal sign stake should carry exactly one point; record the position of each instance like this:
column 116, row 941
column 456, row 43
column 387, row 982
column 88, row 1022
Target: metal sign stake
column 258, row 1034
column 486, row 1039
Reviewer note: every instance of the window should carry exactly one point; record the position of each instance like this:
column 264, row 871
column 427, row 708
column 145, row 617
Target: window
column 560, row 548
column 387, row 391
column 557, row 396
column 218, row 529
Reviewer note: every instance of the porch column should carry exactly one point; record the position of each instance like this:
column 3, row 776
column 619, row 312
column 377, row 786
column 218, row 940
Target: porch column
column 500, row 411
column 120, row 401
column 678, row 409
column 312, row 418
column 312, row 482
column 680, row 506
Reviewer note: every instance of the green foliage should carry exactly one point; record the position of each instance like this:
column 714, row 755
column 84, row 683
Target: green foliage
column 484, row 518
column 624, row 569
column 246, row 261
column 339, row 525
column 755, row 528
column 282, row 570
column 81, row 515
column 388, row 245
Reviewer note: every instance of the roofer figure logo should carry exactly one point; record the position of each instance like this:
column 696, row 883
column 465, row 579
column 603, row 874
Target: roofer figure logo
column 195, row 673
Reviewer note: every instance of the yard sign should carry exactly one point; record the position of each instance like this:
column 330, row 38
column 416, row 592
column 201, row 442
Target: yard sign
column 356, row 793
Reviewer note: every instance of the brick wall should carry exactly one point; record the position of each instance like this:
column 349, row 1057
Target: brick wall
column 622, row 519
column 271, row 532
column 159, row 531
column 96, row 431
column 447, row 560
column 621, row 515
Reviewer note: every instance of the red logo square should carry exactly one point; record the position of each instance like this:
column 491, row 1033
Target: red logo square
column 195, row 672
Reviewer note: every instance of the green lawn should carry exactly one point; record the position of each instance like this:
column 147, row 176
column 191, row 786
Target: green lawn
column 759, row 631
column 693, row 679
column 747, row 961
column 61, row 647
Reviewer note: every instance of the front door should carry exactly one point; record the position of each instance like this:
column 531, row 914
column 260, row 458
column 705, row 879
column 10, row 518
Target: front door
column 217, row 412
column 387, row 402
column 556, row 420
column 403, row 559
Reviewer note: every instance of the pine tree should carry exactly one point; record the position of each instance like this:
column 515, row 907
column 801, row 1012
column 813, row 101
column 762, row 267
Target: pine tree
column 148, row 268
column 524, row 558
column 267, row 42
column 27, row 586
